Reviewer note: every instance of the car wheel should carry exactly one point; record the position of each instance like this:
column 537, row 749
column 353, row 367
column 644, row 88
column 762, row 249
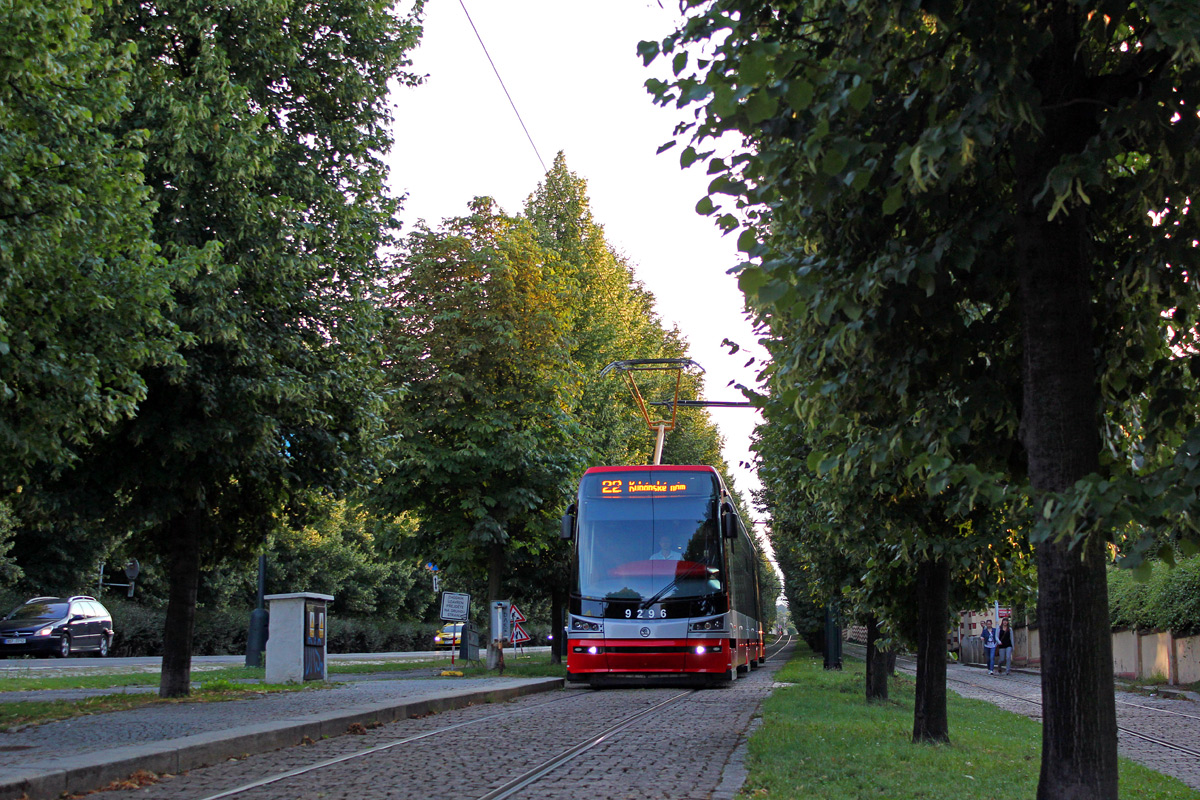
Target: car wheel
column 64, row 646
column 103, row 646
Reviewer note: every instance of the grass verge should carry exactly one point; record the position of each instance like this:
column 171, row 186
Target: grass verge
column 820, row 739
column 118, row 680
column 230, row 683
column 35, row 712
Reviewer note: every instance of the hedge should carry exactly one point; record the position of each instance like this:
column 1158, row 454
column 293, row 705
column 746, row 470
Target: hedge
column 1168, row 601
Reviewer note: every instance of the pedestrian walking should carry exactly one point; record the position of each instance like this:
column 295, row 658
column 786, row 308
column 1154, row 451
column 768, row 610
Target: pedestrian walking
column 1004, row 647
column 989, row 645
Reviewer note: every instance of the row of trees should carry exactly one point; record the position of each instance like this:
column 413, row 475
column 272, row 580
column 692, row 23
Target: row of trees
column 500, row 328
column 970, row 250
column 213, row 339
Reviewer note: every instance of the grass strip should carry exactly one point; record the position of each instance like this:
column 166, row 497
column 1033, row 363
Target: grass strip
column 819, row 738
column 34, row 712
column 118, row 679
column 230, row 683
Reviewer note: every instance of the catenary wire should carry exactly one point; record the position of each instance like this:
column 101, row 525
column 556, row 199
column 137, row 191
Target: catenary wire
column 502, row 86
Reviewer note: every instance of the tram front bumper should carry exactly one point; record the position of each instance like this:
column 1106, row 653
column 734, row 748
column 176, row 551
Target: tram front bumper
column 639, row 656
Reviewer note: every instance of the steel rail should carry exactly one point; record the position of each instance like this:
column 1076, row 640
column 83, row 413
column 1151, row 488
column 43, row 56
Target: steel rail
column 528, row 777
column 534, row 774
column 541, row 770
column 1120, row 728
column 379, row 748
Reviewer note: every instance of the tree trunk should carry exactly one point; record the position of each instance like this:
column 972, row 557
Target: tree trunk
column 1079, row 734
column 1060, row 431
column 186, row 532
column 877, row 664
column 930, row 723
column 1060, row 426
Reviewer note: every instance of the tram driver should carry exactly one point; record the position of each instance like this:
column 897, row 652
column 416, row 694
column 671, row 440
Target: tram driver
column 665, row 552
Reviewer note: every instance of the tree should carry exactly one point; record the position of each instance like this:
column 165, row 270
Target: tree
column 478, row 361
column 345, row 551
column 964, row 188
column 10, row 572
column 614, row 320
column 82, row 290
column 881, row 546
column 265, row 123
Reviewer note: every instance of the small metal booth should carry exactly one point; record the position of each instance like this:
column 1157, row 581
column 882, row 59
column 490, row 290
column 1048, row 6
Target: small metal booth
column 296, row 639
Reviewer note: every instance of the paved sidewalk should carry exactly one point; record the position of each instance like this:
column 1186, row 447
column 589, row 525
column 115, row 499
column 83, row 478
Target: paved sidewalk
column 87, row 753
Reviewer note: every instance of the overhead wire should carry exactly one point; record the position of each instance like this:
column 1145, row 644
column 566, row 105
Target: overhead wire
column 502, row 86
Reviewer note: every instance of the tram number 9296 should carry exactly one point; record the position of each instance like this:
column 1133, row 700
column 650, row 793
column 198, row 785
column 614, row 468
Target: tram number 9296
column 646, row 613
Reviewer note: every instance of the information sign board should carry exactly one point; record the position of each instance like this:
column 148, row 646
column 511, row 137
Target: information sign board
column 456, row 607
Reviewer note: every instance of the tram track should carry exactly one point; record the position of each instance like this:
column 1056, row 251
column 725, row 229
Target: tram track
column 1180, row 748
column 529, row 775
column 991, row 689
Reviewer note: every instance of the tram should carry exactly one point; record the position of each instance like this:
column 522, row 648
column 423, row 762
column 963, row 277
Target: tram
column 665, row 584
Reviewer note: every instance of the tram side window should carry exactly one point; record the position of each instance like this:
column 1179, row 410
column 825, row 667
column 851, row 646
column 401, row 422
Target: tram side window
column 742, row 572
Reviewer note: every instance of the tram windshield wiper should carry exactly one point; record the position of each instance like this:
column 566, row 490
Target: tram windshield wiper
column 690, row 571
column 658, row 595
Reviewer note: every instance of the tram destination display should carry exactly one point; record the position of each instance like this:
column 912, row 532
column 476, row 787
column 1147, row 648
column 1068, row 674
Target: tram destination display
column 663, row 483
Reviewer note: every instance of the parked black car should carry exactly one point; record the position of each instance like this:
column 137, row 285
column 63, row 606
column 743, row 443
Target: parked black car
column 57, row 626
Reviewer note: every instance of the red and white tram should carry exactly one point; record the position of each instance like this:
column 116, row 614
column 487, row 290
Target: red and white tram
column 665, row 578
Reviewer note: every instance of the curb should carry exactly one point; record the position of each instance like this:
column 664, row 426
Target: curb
column 96, row 770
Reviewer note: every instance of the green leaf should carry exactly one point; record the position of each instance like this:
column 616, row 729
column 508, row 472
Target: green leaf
column 894, row 199
column 771, row 292
column 860, row 96
column 724, row 102
column 751, row 279
column 648, row 51
column 753, row 67
column 760, row 106
column 747, row 240
column 799, row 94
column 833, row 162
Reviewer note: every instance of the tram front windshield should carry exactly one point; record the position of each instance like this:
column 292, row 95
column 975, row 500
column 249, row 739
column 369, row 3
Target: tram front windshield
column 649, row 535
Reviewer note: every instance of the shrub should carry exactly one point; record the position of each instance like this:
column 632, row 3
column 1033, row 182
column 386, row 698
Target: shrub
column 139, row 629
column 374, row 635
column 1128, row 600
column 1177, row 598
column 1168, row 601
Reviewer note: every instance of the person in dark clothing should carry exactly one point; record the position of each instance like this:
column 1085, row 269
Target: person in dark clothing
column 1004, row 648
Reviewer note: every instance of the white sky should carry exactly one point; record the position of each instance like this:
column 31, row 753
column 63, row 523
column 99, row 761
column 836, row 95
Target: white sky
column 573, row 72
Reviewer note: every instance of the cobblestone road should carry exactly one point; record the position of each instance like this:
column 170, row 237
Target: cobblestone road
column 687, row 751
column 1172, row 720
column 101, row 732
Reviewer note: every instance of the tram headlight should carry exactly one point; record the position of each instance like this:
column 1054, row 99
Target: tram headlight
column 587, row 626
column 707, row 625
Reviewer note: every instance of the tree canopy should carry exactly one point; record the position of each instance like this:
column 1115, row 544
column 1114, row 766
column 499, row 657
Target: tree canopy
column 970, row 220
column 82, row 288
column 264, row 128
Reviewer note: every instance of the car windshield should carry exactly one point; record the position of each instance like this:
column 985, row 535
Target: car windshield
column 39, row 609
